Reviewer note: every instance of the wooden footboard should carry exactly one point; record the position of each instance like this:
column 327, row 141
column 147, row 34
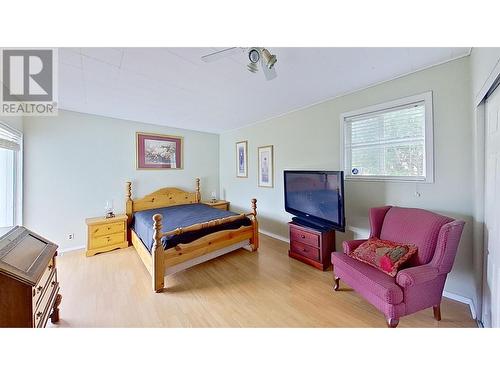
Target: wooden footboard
column 162, row 259
column 159, row 260
column 207, row 244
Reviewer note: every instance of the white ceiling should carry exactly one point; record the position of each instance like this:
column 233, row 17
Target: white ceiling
column 173, row 87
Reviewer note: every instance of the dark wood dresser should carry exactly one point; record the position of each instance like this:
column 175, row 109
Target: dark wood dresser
column 29, row 290
column 311, row 246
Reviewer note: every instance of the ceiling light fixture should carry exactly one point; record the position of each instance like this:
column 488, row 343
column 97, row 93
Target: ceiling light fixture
column 254, row 57
column 269, row 59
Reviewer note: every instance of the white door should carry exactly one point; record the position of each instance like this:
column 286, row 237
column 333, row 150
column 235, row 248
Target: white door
column 491, row 292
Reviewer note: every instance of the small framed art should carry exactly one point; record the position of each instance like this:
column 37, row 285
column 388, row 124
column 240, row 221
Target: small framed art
column 266, row 166
column 157, row 151
column 242, row 159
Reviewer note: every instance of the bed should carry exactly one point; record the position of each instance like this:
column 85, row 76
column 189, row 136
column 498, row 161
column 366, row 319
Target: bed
column 172, row 230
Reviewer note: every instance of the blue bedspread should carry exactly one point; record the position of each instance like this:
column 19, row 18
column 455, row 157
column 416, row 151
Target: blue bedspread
column 181, row 216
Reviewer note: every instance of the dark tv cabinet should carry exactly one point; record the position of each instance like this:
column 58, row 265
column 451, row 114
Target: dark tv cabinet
column 311, row 246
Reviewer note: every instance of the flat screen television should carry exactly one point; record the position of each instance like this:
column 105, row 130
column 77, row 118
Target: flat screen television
column 316, row 198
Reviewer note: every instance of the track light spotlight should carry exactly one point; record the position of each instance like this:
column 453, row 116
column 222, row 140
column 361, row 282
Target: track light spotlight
column 254, row 57
column 269, row 59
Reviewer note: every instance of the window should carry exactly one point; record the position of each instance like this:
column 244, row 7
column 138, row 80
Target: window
column 390, row 141
column 10, row 176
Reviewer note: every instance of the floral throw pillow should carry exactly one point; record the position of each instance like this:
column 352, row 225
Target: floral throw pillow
column 387, row 256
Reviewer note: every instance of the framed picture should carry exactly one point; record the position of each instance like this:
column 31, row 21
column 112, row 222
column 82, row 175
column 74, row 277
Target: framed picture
column 157, row 151
column 266, row 166
column 242, row 159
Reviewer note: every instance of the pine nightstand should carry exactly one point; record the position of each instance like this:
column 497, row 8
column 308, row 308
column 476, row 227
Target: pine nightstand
column 106, row 234
column 221, row 205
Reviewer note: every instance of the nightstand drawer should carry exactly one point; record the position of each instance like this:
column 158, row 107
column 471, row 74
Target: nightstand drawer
column 305, row 250
column 303, row 236
column 106, row 234
column 106, row 229
column 222, row 206
column 111, row 239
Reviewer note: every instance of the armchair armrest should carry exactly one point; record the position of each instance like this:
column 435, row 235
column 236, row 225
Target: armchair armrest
column 416, row 275
column 350, row 246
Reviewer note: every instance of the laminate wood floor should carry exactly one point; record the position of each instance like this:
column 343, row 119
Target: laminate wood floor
column 240, row 289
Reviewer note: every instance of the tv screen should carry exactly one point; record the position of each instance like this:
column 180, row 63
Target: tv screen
column 316, row 197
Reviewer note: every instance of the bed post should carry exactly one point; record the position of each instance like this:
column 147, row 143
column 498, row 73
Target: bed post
column 198, row 194
column 157, row 255
column 128, row 202
column 255, row 225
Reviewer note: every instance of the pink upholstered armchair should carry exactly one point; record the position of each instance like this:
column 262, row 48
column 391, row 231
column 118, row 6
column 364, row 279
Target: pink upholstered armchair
column 420, row 283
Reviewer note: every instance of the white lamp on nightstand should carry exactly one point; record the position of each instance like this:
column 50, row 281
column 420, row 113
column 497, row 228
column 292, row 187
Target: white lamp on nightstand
column 108, row 209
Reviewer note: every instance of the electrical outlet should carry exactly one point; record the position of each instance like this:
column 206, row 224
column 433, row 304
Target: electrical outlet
column 71, row 236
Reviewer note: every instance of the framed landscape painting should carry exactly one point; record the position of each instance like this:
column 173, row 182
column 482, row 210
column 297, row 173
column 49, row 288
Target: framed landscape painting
column 242, row 159
column 266, row 166
column 156, row 151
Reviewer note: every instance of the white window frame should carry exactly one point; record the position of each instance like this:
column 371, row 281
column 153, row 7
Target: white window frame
column 428, row 142
column 18, row 178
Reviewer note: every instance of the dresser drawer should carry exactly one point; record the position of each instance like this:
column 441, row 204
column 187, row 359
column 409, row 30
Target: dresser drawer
column 112, row 239
column 44, row 307
column 305, row 250
column 308, row 238
column 43, row 282
column 106, row 229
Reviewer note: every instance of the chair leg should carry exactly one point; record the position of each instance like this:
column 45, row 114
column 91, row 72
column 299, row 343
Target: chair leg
column 392, row 322
column 437, row 312
column 336, row 283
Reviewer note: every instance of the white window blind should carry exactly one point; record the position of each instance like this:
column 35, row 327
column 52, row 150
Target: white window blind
column 10, row 176
column 9, row 138
column 388, row 143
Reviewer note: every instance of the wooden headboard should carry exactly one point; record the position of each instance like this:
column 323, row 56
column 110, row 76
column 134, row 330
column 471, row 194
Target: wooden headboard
column 160, row 198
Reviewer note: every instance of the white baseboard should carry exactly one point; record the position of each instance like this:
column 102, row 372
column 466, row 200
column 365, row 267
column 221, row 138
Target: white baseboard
column 66, row 249
column 466, row 300
column 276, row 236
